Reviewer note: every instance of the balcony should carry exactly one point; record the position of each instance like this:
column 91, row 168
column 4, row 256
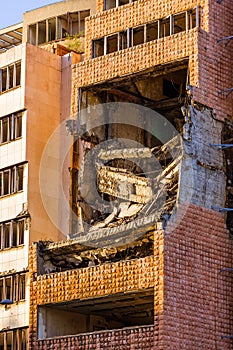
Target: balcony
column 127, row 338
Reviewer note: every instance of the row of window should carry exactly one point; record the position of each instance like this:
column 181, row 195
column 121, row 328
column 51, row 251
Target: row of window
column 12, row 233
column 13, row 287
column 14, row 340
column 11, row 180
column 10, row 76
column 10, row 127
column 144, row 33
column 110, row 4
column 57, row 27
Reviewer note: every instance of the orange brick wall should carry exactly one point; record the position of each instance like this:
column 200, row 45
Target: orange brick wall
column 139, row 12
column 198, row 297
column 135, row 59
column 209, row 62
column 84, row 283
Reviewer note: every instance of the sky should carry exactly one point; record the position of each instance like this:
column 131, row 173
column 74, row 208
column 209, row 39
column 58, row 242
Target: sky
column 12, row 10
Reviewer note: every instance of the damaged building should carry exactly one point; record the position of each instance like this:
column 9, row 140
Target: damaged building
column 116, row 176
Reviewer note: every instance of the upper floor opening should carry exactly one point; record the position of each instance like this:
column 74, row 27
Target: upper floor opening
column 57, row 27
column 147, row 32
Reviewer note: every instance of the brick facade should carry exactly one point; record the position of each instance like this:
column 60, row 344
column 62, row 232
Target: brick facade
column 209, row 60
column 192, row 296
column 192, row 288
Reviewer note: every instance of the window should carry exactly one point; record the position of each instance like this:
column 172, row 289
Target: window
column 12, row 233
column 144, row 33
column 165, row 27
column 56, row 28
column 112, row 43
column 10, row 127
column 14, row 340
column 138, row 35
column 179, row 23
column 98, row 47
column 13, row 287
column 152, row 31
column 10, row 76
column 110, row 4
column 11, row 180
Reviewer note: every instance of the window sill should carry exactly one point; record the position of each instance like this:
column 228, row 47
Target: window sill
column 21, row 246
column 7, row 142
column 10, row 194
column 11, row 89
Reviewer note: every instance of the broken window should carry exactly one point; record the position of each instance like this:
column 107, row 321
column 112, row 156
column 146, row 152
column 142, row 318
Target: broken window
column 51, row 29
column 112, row 43
column 179, row 22
column 32, row 34
column 11, row 180
column 165, row 27
column 98, row 47
column 138, row 35
column 152, row 31
column 123, row 40
column 12, row 233
column 15, row 339
column 41, row 32
column 10, row 76
column 13, row 287
column 57, row 27
column 10, row 127
column 192, row 18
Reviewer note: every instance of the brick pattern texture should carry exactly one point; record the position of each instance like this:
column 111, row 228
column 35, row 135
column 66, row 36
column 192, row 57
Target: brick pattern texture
column 210, row 65
column 138, row 338
column 198, row 297
column 192, row 297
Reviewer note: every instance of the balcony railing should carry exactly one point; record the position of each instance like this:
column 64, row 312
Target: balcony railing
column 127, row 338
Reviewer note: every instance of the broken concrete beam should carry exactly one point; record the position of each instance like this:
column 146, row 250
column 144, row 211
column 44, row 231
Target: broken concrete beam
column 119, row 183
column 126, row 153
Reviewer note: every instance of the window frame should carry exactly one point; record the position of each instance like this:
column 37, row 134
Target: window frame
column 16, row 238
column 7, row 72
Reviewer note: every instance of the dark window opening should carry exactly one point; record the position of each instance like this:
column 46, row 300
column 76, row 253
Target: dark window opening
column 152, row 31
column 112, row 43
column 3, row 79
column 123, row 40
column 41, row 32
column 6, row 182
column 179, row 22
column 170, row 89
column 51, row 29
column 98, row 47
column 123, row 2
column 192, row 18
column 165, row 27
column 32, row 34
column 11, row 76
column 138, row 36
column 6, row 235
column 109, row 4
